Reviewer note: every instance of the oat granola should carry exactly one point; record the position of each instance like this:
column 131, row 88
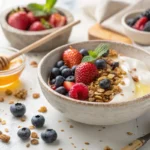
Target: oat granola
column 21, row 94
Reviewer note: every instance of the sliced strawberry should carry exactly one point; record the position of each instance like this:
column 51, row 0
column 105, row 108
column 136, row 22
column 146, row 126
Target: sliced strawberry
column 68, row 85
column 57, row 20
column 140, row 22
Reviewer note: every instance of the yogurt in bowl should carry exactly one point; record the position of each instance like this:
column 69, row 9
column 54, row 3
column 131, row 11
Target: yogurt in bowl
column 129, row 103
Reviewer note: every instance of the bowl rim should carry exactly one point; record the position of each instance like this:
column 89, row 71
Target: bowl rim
column 63, row 97
column 4, row 23
column 130, row 28
column 16, row 69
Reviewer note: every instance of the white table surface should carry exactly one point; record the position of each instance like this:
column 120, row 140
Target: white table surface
column 114, row 136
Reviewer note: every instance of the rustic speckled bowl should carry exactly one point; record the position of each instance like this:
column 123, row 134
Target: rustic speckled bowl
column 93, row 113
column 140, row 37
column 20, row 39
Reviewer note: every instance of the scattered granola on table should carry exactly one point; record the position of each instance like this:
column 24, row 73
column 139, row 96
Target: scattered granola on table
column 129, row 133
column 34, row 142
column 1, row 99
column 21, row 94
column 108, row 148
column 42, row 109
column 5, row 138
column 8, row 92
column 11, row 102
column 34, row 64
column 36, row 95
column 34, row 135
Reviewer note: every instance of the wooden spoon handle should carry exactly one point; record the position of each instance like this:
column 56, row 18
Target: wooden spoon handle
column 44, row 40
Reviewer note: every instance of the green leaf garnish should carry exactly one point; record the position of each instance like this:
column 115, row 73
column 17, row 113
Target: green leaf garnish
column 45, row 23
column 88, row 59
column 97, row 53
column 42, row 10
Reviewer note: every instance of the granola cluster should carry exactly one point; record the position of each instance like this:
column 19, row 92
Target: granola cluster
column 97, row 94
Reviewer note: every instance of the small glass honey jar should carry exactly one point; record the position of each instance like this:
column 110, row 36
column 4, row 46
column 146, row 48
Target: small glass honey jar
column 12, row 73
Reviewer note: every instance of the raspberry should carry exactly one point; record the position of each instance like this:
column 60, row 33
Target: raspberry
column 79, row 91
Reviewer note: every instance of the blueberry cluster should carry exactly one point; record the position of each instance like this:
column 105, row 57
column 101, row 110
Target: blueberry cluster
column 61, row 73
column 18, row 110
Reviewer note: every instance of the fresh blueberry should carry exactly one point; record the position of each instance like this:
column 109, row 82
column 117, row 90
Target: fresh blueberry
column 66, row 72
column 49, row 136
column 70, row 78
column 147, row 13
column 100, row 64
column 105, row 84
column 61, row 90
column 38, row 121
column 84, row 52
column 59, row 81
column 106, row 54
column 114, row 65
column 73, row 69
column 24, row 133
column 63, row 67
column 55, row 72
column 18, row 109
column 59, row 64
column 147, row 26
column 53, row 81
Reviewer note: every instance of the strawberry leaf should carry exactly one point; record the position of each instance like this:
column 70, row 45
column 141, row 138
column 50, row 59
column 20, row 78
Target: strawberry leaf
column 88, row 59
column 45, row 23
column 92, row 53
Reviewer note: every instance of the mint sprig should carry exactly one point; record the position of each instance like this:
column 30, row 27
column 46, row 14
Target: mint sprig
column 42, row 10
column 97, row 53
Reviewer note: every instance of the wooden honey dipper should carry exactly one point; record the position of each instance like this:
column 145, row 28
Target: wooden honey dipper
column 4, row 61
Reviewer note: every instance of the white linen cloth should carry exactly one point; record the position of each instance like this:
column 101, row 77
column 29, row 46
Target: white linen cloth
column 109, row 12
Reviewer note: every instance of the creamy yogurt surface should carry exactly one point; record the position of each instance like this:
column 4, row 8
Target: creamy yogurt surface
column 132, row 89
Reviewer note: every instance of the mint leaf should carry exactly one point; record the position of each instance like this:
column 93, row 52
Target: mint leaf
column 39, row 13
column 87, row 59
column 49, row 4
column 101, row 49
column 35, row 7
column 92, row 53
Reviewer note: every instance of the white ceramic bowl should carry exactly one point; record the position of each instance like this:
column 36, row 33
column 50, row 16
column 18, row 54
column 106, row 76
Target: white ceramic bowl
column 140, row 37
column 94, row 113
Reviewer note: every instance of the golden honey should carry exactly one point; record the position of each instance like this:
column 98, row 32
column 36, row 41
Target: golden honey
column 12, row 73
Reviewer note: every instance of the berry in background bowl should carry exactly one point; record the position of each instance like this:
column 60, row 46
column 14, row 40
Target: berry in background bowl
column 137, row 26
column 27, row 24
column 109, row 85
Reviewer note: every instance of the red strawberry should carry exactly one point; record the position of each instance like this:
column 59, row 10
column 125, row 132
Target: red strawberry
column 37, row 26
column 86, row 73
column 68, row 85
column 141, row 22
column 72, row 57
column 79, row 91
column 32, row 18
column 57, row 20
column 19, row 20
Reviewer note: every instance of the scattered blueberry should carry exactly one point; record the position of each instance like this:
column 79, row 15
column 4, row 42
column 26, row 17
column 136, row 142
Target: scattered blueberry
column 106, row 54
column 147, row 26
column 105, row 84
column 59, row 64
column 100, row 64
column 63, row 67
column 84, row 52
column 59, row 81
column 70, row 78
column 38, row 121
column 18, row 109
column 24, row 133
column 66, row 72
column 61, row 90
column 55, row 72
column 53, row 81
column 114, row 65
column 73, row 69
column 49, row 136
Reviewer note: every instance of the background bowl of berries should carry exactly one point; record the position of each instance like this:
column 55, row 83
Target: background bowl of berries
column 137, row 26
column 27, row 24
column 76, row 80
